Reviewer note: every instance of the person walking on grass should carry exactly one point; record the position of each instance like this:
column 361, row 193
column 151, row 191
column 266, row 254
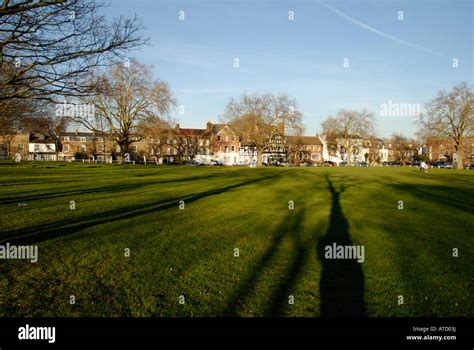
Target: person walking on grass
column 424, row 167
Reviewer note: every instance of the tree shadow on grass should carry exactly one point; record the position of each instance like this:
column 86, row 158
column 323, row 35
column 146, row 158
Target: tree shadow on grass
column 300, row 258
column 289, row 226
column 39, row 233
column 456, row 197
column 109, row 188
column 342, row 281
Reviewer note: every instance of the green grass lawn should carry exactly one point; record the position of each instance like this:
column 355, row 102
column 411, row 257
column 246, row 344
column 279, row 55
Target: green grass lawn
column 191, row 252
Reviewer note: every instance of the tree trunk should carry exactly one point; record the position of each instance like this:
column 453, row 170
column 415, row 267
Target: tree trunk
column 460, row 157
column 123, row 149
column 8, row 149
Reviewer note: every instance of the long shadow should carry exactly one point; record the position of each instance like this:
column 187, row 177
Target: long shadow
column 112, row 188
column 300, row 258
column 342, row 280
column 289, row 226
column 428, row 192
column 39, row 233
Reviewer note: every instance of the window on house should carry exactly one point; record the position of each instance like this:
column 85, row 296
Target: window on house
column 117, row 149
column 101, row 139
column 66, row 138
column 218, row 137
column 36, row 147
column 175, row 151
column 83, row 148
column 101, row 148
column 233, row 148
column 21, row 147
column 134, row 148
column 83, row 139
column 66, row 148
column 168, row 151
column 226, row 138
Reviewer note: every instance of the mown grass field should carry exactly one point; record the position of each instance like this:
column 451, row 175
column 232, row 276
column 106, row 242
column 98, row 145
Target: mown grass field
column 190, row 252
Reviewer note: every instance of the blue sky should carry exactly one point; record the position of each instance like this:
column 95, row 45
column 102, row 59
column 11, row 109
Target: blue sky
column 403, row 61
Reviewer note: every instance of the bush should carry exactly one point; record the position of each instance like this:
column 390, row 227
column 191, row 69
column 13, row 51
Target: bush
column 81, row 155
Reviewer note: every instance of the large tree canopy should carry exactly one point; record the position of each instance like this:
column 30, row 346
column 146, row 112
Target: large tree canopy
column 126, row 100
column 347, row 128
column 49, row 48
column 450, row 115
column 257, row 118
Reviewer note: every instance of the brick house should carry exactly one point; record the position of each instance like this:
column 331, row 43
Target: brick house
column 10, row 145
column 86, row 145
column 225, row 144
column 442, row 149
column 305, row 149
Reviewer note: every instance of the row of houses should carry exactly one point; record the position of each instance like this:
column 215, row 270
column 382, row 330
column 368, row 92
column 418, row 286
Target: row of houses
column 218, row 142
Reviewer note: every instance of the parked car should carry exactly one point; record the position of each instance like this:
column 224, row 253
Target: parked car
column 196, row 163
column 363, row 164
column 444, row 165
column 216, row 163
column 343, row 164
column 391, row 163
column 469, row 167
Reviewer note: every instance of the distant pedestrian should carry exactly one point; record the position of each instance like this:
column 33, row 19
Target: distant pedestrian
column 424, row 167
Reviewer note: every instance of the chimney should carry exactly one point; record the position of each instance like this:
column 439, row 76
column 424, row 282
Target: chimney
column 177, row 126
column 281, row 128
column 209, row 126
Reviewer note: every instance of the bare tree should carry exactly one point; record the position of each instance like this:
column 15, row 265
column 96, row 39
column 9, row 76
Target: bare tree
column 450, row 115
column 154, row 127
column 50, row 125
column 257, row 118
column 405, row 148
column 190, row 142
column 52, row 46
column 347, row 128
column 14, row 116
column 9, row 8
column 125, row 98
column 297, row 151
column 374, row 144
